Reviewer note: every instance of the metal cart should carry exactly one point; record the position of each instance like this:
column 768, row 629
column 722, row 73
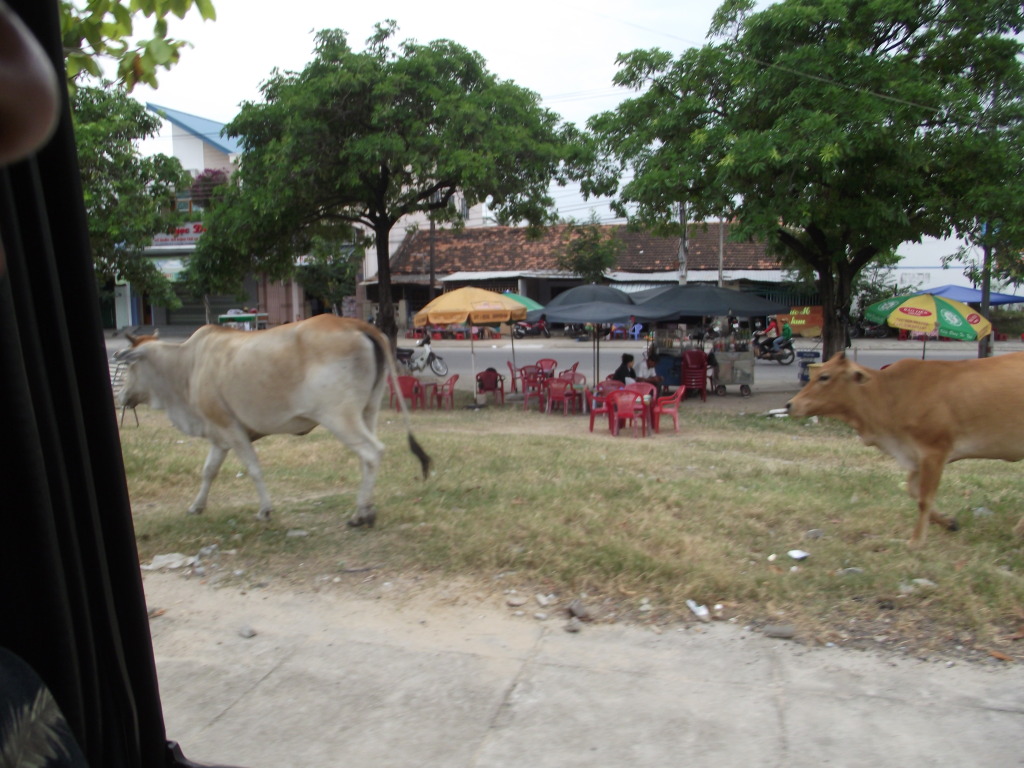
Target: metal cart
column 733, row 368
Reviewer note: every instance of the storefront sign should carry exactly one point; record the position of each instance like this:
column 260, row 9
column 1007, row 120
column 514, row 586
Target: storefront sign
column 805, row 321
column 186, row 234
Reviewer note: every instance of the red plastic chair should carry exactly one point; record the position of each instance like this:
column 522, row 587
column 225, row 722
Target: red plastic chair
column 648, row 393
column 547, row 366
column 532, row 381
column 627, row 406
column 667, row 406
column 570, row 370
column 444, row 395
column 695, row 372
column 410, row 389
column 491, row 381
column 560, row 391
column 579, row 386
column 597, row 399
column 513, row 376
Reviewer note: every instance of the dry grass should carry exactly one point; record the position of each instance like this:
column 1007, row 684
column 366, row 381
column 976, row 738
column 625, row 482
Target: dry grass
column 544, row 504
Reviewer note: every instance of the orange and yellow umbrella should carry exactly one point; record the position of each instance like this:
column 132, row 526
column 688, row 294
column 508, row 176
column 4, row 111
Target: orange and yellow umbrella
column 470, row 305
column 475, row 306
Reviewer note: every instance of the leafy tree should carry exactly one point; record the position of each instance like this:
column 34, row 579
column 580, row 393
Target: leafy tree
column 128, row 197
column 93, row 29
column 330, row 272
column 833, row 130
column 876, row 282
column 588, row 250
column 363, row 139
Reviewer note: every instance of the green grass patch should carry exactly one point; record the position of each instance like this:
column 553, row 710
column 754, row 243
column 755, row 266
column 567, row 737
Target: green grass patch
column 707, row 514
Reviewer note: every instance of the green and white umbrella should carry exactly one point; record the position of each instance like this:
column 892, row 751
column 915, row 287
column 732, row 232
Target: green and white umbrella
column 928, row 313
column 530, row 305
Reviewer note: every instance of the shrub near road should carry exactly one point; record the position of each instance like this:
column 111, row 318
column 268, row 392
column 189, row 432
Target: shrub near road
column 636, row 526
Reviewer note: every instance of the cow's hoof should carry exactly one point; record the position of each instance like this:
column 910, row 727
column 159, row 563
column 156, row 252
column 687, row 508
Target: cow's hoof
column 952, row 525
column 263, row 514
column 366, row 517
column 195, row 510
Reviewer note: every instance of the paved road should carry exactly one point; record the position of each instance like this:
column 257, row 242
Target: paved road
column 768, row 376
column 463, row 358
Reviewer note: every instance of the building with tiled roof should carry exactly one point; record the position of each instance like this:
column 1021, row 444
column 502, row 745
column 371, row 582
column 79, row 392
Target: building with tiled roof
column 507, row 258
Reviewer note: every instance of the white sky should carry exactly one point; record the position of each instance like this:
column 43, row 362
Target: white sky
column 563, row 50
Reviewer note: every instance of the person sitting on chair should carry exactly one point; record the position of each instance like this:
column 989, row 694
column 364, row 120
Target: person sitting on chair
column 625, row 372
column 648, row 371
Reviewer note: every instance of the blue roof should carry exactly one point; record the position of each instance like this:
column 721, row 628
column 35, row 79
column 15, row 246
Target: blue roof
column 206, row 130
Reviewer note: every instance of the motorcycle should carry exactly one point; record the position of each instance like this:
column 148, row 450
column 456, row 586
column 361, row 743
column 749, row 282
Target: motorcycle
column 764, row 349
column 868, row 331
column 421, row 358
column 523, row 329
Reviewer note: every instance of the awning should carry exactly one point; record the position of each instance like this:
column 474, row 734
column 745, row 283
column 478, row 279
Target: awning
column 732, row 275
column 505, row 274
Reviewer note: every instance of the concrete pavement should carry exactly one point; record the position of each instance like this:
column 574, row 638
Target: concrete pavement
column 326, row 679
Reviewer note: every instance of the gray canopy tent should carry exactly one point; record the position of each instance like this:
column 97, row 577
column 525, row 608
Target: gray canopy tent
column 598, row 304
column 671, row 301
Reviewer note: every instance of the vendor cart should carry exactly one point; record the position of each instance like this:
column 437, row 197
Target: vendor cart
column 733, row 368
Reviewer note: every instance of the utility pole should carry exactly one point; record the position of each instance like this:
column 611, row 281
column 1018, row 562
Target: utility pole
column 985, row 344
column 430, row 293
column 684, row 251
column 435, row 198
column 721, row 249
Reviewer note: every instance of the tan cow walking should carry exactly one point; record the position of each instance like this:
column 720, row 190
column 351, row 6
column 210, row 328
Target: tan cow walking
column 925, row 414
column 233, row 387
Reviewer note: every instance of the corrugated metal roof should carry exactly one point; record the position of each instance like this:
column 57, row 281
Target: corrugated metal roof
column 731, row 275
column 636, row 287
column 502, row 275
column 660, row 278
column 207, row 130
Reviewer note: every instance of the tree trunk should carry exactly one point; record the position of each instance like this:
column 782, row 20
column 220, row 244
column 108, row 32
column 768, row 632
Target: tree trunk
column 835, row 290
column 386, row 318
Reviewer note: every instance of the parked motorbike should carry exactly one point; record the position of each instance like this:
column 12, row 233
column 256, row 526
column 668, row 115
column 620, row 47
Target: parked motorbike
column 868, row 331
column 523, row 329
column 764, row 349
column 421, row 358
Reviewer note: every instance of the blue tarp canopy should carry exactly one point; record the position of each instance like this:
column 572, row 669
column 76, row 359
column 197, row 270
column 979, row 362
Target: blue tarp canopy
column 972, row 295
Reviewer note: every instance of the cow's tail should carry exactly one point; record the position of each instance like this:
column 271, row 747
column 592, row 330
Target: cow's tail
column 389, row 367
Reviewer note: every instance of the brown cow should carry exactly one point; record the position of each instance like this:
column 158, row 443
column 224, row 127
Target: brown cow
column 233, row 387
column 925, row 414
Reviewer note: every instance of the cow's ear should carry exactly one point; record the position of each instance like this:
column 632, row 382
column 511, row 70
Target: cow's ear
column 132, row 338
column 860, row 377
column 156, row 333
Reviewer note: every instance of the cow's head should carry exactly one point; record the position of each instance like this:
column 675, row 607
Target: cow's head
column 834, row 387
column 134, row 390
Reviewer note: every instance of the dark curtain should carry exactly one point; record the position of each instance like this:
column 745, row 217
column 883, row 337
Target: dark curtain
column 71, row 599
